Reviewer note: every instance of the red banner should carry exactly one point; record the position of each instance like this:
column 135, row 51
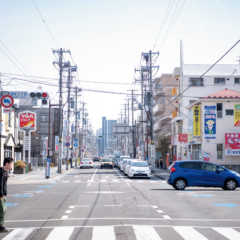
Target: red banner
column 27, row 120
column 183, row 137
column 232, row 140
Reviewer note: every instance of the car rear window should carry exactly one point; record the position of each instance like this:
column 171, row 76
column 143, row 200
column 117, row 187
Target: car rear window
column 191, row 165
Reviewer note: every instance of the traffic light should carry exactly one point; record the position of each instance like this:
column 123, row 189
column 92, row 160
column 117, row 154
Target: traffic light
column 41, row 96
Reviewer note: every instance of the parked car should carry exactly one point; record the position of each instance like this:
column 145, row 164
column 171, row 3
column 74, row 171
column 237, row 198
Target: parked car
column 139, row 169
column 128, row 164
column 122, row 163
column 199, row 173
column 106, row 163
column 86, row 163
column 120, row 160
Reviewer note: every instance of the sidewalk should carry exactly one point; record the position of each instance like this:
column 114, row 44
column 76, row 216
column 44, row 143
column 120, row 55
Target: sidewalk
column 38, row 175
column 160, row 173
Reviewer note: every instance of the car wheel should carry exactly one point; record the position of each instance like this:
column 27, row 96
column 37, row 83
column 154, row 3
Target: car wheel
column 180, row 184
column 230, row 185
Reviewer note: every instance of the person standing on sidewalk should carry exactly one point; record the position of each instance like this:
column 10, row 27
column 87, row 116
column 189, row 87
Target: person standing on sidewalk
column 7, row 166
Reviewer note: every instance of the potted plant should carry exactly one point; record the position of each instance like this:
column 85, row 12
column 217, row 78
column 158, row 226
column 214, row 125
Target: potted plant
column 19, row 167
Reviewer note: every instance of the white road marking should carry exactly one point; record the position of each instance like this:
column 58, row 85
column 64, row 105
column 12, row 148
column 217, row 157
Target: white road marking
column 189, row 233
column 68, row 211
column 103, row 180
column 154, row 206
column 79, row 206
column 19, row 234
column 166, row 217
column 64, row 217
column 144, row 205
column 92, row 178
column 115, row 180
column 112, row 205
column 229, row 233
column 65, row 181
column 164, row 181
column 60, row 233
column 145, row 232
column 137, row 219
column 104, row 232
column 160, row 211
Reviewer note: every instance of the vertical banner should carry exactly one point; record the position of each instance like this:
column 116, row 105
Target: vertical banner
column 210, row 122
column 196, row 121
column 237, row 115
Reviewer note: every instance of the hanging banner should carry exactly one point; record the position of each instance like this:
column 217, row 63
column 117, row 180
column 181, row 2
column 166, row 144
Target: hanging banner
column 232, row 144
column 210, row 122
column 196, row 121
column 237, row 115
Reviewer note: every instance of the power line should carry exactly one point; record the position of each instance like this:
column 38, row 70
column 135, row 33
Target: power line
column 44, row 22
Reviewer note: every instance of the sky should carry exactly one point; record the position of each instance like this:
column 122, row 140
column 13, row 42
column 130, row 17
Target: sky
column 106, row 39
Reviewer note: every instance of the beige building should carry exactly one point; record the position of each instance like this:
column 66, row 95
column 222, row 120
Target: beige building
column 165, row 108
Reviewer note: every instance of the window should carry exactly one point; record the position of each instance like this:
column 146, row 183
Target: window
column 236, row 80
column 229, row 112
column 196, row 81
column 196, row 150
column 209, row 167
column 219, row 110
column 219, row 81
column 220, row 151
column 191, row 165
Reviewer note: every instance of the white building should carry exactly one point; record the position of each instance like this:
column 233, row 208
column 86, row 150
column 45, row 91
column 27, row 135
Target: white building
column 191, row 88
column 220, row 127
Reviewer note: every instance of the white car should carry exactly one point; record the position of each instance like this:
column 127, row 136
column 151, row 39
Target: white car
column 139, row 169
column 86, row 163
column 122, row 163
column 127, row 165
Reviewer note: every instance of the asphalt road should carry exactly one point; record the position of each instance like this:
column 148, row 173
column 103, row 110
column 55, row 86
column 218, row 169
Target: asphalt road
column 103, row 204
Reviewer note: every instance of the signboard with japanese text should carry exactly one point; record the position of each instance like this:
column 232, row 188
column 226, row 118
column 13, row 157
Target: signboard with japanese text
column 196, row 121
column 183, row 138
column 237, row 115
column 210, row 122
column 27, row 121
column 232, row 144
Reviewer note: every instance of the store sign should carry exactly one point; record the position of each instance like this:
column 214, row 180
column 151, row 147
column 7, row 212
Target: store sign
column 27, row 121
column 196, row 121
column 183, row 138
column 232, row 144
column 210, row 122
column 237, row 115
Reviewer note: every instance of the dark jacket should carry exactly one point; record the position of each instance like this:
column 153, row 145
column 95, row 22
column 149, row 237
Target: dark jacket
column 3, row 182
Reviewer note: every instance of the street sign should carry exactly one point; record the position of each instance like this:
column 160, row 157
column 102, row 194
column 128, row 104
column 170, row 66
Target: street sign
column 15, row 94
column 7, row 101
column 67, row 144
column 75, row 142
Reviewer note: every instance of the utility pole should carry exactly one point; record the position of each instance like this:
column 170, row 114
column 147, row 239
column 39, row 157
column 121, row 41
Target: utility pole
column 133, row 132
column 75, row 134
column 68, row 114
column 61, row 65
column 83, row 129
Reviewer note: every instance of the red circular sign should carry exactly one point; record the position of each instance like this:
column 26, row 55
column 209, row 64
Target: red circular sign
column 7, row 101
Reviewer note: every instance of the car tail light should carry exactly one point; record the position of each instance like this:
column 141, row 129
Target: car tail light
column 172, row 170
column 81, row 162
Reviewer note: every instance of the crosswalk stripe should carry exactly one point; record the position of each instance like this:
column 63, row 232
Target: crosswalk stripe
column 145, row 232
column 106, row 232
column 63, row 233
column 189, row 233
column 229, row 233
column 19, row 234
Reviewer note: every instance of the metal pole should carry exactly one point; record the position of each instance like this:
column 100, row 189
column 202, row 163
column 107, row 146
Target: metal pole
column 60, row 110
column 75, row 135
column 47, row 171
column 68, row 115
column 133, row 135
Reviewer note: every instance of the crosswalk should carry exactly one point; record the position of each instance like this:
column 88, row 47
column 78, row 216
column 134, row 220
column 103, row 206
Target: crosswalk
column 135, row 232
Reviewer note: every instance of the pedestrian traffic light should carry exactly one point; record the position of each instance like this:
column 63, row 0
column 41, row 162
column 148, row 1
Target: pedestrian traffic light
column 41, row 96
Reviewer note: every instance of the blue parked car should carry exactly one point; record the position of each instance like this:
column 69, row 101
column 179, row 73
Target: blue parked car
column 199, row 173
